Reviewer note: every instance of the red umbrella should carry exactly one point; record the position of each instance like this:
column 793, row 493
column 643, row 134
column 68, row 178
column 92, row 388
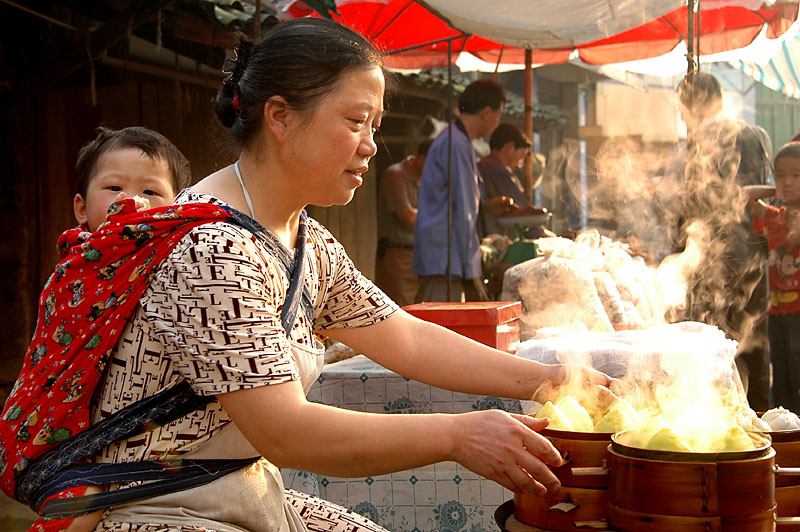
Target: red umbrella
column 417, row 37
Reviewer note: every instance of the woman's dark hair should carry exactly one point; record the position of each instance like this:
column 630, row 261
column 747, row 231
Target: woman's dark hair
column 300, row 60
column 790, row 149
column 479, row 95
column 152, row 144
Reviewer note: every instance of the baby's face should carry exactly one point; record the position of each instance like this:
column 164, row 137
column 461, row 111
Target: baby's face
column 126, row 170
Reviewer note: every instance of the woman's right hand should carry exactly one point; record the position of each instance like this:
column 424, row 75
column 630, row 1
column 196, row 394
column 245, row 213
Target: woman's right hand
column 508, row 449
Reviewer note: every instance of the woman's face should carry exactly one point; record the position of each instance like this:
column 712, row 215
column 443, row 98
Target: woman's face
column 331, row 151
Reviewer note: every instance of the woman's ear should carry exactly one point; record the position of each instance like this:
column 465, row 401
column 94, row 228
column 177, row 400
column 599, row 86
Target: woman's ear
column 276, row 117
column 79, row 208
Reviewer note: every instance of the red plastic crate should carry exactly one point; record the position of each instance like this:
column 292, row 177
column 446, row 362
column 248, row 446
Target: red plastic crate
column 494, row 323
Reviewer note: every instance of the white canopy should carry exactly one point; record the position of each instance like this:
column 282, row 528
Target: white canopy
column 558, row 23
column 549, row 23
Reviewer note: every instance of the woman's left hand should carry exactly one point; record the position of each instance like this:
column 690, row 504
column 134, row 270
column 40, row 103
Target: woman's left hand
column 588, row 380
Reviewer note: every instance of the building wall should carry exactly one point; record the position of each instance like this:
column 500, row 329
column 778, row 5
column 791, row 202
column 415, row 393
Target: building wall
column 778, row 115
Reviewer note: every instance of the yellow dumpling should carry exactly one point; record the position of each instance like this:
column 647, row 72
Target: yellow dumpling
column 736, row 439
column 668, row 440
column 616, row 420
column 639, row 437
column 626, row 407
column 577, row 415
column 558, row 421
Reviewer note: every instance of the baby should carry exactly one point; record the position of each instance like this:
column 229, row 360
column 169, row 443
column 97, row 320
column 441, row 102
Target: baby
column 134, row 162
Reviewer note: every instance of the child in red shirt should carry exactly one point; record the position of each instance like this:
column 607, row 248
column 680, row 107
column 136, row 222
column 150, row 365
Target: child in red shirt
column 781, row 226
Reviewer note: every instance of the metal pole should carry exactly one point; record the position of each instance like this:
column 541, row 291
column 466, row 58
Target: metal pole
column 497, row 65
column 697, row 36
column 692, row 66
column 449, row 159
column 527, row 163
column 583, row 159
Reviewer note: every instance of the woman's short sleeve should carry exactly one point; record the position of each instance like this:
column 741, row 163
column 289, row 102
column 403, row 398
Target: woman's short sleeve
column 349, row 299
column 215, row 303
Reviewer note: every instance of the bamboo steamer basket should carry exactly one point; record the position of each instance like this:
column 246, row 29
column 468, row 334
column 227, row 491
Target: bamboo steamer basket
column 787, row 485
column 507, row 521
column 580, row 450
column 788, row 500
column 666, row 491
column 629, row 520
column 567, row 510
column 787, row 454
column 583, row 497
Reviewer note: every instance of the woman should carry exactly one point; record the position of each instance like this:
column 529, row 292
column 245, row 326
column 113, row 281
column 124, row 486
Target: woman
column 303, row 104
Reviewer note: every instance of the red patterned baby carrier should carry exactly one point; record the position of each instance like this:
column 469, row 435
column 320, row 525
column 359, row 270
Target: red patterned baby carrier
column 46, row 438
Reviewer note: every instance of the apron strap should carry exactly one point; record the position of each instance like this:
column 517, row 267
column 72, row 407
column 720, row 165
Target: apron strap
column 297, row 296
column 168, row 477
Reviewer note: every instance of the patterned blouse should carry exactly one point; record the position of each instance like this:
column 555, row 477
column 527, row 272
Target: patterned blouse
column 211, row 316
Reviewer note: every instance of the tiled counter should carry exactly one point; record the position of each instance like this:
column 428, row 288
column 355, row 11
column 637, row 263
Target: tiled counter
column 441, row 497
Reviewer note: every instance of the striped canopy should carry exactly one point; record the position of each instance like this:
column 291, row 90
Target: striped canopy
column 782, row 72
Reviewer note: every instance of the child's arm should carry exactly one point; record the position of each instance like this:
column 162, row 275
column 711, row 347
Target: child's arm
column 793, row 227
column 754, row 193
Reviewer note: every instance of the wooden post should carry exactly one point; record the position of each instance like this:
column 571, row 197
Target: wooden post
column 258, row 19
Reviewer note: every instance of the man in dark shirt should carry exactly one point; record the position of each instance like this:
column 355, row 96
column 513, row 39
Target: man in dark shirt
column 509, row 147
column 397, row 216
column 728, row 289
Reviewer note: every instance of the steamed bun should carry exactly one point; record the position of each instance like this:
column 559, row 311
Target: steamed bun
column 736, row 439
column 576, row 414
column 558, row 421
column 616, row 420
column 668, row 439
column 781, row 419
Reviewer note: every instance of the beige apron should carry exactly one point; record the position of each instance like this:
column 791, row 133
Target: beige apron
column 248, row 500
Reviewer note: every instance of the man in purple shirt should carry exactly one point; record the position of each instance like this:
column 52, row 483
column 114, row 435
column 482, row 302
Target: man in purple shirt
column 480, row 107
column 509, row 146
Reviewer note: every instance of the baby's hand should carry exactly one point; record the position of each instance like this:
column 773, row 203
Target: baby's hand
column 141, row 203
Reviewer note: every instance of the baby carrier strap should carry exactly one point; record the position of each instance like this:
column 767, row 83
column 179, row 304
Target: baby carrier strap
column 62, row 467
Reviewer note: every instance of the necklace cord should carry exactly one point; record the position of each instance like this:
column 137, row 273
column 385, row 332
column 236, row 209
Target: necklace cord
column 244, row 189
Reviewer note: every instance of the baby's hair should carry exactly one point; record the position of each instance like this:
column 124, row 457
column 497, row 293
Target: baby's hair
column 790, row 149
column 152, row 144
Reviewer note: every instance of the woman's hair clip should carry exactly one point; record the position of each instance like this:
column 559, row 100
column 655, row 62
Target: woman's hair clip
column 230, row 65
